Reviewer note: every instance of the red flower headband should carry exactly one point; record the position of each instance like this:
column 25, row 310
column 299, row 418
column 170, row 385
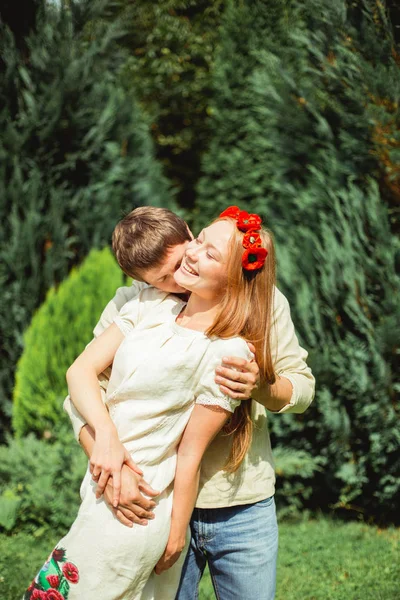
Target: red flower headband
column 254, row 256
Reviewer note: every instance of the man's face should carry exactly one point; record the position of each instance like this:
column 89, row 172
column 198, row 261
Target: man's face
column 162, row 276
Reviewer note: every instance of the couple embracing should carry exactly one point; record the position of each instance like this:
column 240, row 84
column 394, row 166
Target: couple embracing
column 180, row 469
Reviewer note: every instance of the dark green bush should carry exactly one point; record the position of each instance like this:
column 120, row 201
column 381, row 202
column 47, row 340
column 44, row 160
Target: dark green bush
column 59, row 331
column 306, row 133
column 75, row 154
column 170, row 46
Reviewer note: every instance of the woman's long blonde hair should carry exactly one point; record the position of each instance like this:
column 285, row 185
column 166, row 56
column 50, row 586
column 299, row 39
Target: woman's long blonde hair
column 246, row 310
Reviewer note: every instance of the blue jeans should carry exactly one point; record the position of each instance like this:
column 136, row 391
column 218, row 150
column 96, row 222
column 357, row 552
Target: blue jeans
column 240, row 545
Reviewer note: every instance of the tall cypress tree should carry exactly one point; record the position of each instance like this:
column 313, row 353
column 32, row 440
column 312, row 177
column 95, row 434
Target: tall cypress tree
column 75, row 154
column 306, row 121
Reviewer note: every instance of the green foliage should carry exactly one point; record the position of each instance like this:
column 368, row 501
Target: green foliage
column 171, row 46
column 39, row 489
column 21, row 556
column 295, row 473
column 59, row 331
column 75, row 154
column 306, row 133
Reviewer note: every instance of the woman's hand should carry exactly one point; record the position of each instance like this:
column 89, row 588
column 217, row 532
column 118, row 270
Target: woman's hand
column 170, row 555
column 108, row 456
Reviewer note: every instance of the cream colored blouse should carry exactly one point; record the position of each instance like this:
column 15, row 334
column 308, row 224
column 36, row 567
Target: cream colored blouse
column 255, row 480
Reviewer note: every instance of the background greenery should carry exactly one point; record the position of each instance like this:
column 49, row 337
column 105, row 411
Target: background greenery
column 59, row 331
column 75, row 153
column 305, row 130
column 287, row 108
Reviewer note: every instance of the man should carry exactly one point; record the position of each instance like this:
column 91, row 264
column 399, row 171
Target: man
column 149, row 244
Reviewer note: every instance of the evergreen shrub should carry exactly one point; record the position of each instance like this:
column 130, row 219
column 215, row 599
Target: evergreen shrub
column 59, row 331
column 75, row 155
column 170, row 50
column 306, row 120
column 39, row 484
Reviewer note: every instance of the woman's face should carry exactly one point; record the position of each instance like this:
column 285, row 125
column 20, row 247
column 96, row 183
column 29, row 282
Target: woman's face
column 203, row 268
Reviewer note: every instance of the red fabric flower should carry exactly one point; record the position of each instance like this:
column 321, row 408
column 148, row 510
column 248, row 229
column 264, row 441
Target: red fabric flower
column 59, row 554
column 38, row 595
column 231, row 211
column 254, row 258
column 30, row 588
column 251, row 238
column 246, row 221
column 53, row 595
column 53, row 580
column 71, row 572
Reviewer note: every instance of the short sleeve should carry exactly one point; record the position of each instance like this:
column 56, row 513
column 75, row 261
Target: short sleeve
column 208, row 392
column 136, row 309
column 122, row 296
column 127, row 317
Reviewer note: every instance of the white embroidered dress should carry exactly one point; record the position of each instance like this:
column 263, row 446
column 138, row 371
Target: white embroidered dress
column 159, row 372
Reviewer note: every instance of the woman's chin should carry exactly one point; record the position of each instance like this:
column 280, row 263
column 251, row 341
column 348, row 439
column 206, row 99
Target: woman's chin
column 181, row 280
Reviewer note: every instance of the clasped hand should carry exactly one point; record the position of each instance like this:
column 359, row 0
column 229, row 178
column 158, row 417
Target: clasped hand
column 106, row 461
column 133, row 506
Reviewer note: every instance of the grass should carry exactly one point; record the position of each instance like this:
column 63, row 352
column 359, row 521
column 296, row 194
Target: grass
column 331, row 560
column 318, row 560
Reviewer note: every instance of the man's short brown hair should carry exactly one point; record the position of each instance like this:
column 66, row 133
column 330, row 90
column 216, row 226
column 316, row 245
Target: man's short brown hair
column 142, row 239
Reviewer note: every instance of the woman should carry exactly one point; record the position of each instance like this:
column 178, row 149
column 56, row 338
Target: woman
column 230, row 272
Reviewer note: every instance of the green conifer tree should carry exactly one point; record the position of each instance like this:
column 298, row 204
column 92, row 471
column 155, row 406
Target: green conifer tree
column 59, row 331
column 75, row 154
column 306, row 133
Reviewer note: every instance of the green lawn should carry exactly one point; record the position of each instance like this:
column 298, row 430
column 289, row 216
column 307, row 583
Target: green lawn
column 318, row 560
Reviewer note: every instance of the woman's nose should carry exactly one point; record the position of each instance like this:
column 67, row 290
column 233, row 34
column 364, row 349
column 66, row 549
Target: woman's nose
column 191, row 250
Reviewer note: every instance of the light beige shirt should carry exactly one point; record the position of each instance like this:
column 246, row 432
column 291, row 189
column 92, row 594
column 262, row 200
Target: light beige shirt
column 255, row 479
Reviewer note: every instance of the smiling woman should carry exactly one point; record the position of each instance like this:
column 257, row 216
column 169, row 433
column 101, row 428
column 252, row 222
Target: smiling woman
column 204, row 266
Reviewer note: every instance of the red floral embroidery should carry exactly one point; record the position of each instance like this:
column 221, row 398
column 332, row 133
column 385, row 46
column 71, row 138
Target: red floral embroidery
column 53, row 595
column 59, row 554
column 38, row 595
column 246, row 221
column 231, row 211
column 254, row 258
column 71, row 572
column 53, row 580
column 251, row 238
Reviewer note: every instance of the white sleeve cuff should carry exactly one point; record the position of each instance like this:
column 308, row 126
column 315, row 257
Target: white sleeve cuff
column 226, row 403
column 294, row 398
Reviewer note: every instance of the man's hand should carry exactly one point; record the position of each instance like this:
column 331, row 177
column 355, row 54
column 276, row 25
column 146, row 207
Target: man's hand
column 133, row 507
column 237, row 377
column 170, row 555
